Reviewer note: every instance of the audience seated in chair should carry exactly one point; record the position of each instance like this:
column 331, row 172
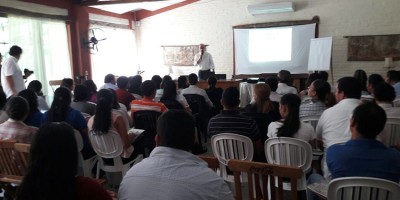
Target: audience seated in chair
column 160, row 91
column 373, row 81
column 14, row 128
column 148, row 89
column 171, row 99
column 182, row 84
column 363, row 155
column 34, row 116
column 60, row 111
column 92, row 90
column 393, row 78
column 53, row 167
column 361, row 76
column 81, row 97
column 333, row 125
column 214, row 93
column 109, row 82
column 272, row 82
column 285, row 83
column 120, row 109
column 193, row 89
column 231, row 121
column 36, row 86
column 311, row 78
column 171, row 171
column 123, row 96
column 134, row 86
column 321, row 98
column 68, row 83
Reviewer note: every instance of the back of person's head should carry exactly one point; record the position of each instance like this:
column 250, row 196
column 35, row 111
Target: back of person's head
column 323, row 75
column 109, row 78
column 374, row 80
column 230, row 98
column 17, row 108
column 36, row 86
column 384, row 92
column 312, row 77
column 261, row 95
column 392, row 76
column 122, row 82
column 157, row 81
column 169, row 90
column 59, row 108
column 212, row 81
column 284, row 77
column 102, row 117
column 176, row 129
column 291, row 124
column 182, row 82
column 165, row 79
column 115, row 104
column 148, row 88
column 91, row 86
column 322, row 89
column 272, row 83
column 81, row 93
column 68, row 83
column 53, row 163
column 134, row 84
column 193, row 79
column 31, row 97
column 15, row 51
column 369, row 120
column 3, row 99
column 361, row 76
column 350, row 86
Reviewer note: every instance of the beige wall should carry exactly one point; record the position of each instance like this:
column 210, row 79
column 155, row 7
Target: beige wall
column 211, row 21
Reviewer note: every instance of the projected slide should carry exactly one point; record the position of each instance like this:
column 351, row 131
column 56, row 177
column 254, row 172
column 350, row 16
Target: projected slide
column 268, row 45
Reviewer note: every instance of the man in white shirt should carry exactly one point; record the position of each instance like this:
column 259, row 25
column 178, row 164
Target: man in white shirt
column 193, row 89
column 172, row 171
column 334, row 124
column 204, row 60
column 109, row 82
column 11, row 75
column 284, row 77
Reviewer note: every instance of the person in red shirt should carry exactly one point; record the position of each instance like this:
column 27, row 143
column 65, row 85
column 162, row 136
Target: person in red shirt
column 123, row 96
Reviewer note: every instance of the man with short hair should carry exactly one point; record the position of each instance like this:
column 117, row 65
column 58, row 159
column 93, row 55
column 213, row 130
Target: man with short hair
column 193, row 89
column 204, row 60
column 333, row 125
column 171, row 171
column 11, row 75
column 123, row 96
column 14, row 128
column 109, row 82
column 393, row 78
column 68, row 83
column 284, row 86
column 272, row 82
column 148, row 89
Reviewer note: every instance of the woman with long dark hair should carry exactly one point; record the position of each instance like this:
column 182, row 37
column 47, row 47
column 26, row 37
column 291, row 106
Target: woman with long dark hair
column 34, row 117
column 321, row 98
column 170, row 95
column 290, row 125
column 53, row 163
column 92, row 90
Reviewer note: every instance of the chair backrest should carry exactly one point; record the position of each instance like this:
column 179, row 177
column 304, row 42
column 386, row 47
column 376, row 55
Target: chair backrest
column 312, row 120
column 23, row 150
column 228, row 146
column 106, row 145
column 11, row 163
column 146, row 119
column 391, row 134
column 363, row 188
column 197, row 103
column 212, row 162
column 171, row 104
column 396, row 102
column 258, row 175
column 79, row 140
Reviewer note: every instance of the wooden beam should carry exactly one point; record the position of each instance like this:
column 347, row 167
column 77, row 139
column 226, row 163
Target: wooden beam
column 99, row 3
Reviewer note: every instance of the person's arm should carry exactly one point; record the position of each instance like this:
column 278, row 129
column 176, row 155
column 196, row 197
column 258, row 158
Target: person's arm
column 211, row 63
column 10, row 82
column 208, row 101
column 123, row 132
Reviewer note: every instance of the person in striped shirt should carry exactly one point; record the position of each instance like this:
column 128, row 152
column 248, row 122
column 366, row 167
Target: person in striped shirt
column 148, row 89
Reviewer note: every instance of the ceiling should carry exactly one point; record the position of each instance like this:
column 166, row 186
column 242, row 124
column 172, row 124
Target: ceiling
column 123, row 6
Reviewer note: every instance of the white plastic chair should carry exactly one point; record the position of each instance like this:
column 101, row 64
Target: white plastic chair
column 363, row 188
column 228, row 146
column 88, row 164
column 390, row 135
column 396, row 102
column 109, row 145
column 290, row 152
column 312, row 120
column 86, row 116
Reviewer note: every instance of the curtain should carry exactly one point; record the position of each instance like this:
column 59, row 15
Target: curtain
column 117, row 54
column 45, row 48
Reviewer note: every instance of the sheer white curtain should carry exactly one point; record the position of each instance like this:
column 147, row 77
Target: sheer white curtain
column 117, row 54
column 45, row 48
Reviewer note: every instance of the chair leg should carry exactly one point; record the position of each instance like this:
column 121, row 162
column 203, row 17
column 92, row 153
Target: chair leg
column 98, row 169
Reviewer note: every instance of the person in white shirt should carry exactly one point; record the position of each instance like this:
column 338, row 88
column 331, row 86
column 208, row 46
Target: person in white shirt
column 193, row 89
column 273, row 84
column 205, row 62
column 11, row 75
column 109, row 82
column 284, row 83
column 334, row 124
column 172, row 171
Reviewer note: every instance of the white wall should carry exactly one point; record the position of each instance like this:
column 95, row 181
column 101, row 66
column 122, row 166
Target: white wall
column 211, row 21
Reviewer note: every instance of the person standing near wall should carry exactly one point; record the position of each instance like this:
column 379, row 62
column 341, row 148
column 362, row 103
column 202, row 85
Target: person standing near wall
column 204, row 60
column 11, row 75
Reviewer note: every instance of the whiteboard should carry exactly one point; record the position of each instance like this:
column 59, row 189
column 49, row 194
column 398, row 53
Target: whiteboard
column 319, row 58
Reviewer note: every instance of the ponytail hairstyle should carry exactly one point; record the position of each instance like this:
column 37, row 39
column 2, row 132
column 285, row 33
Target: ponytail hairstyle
column 291, row 124
column 264, row 104
column 102, row 117
column 323, row 92
column 59, row 108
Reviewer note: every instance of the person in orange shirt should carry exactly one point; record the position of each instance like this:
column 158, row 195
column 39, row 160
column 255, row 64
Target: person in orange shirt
column 148, row 89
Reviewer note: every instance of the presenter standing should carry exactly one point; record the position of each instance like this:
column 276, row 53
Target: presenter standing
column 205, row 62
